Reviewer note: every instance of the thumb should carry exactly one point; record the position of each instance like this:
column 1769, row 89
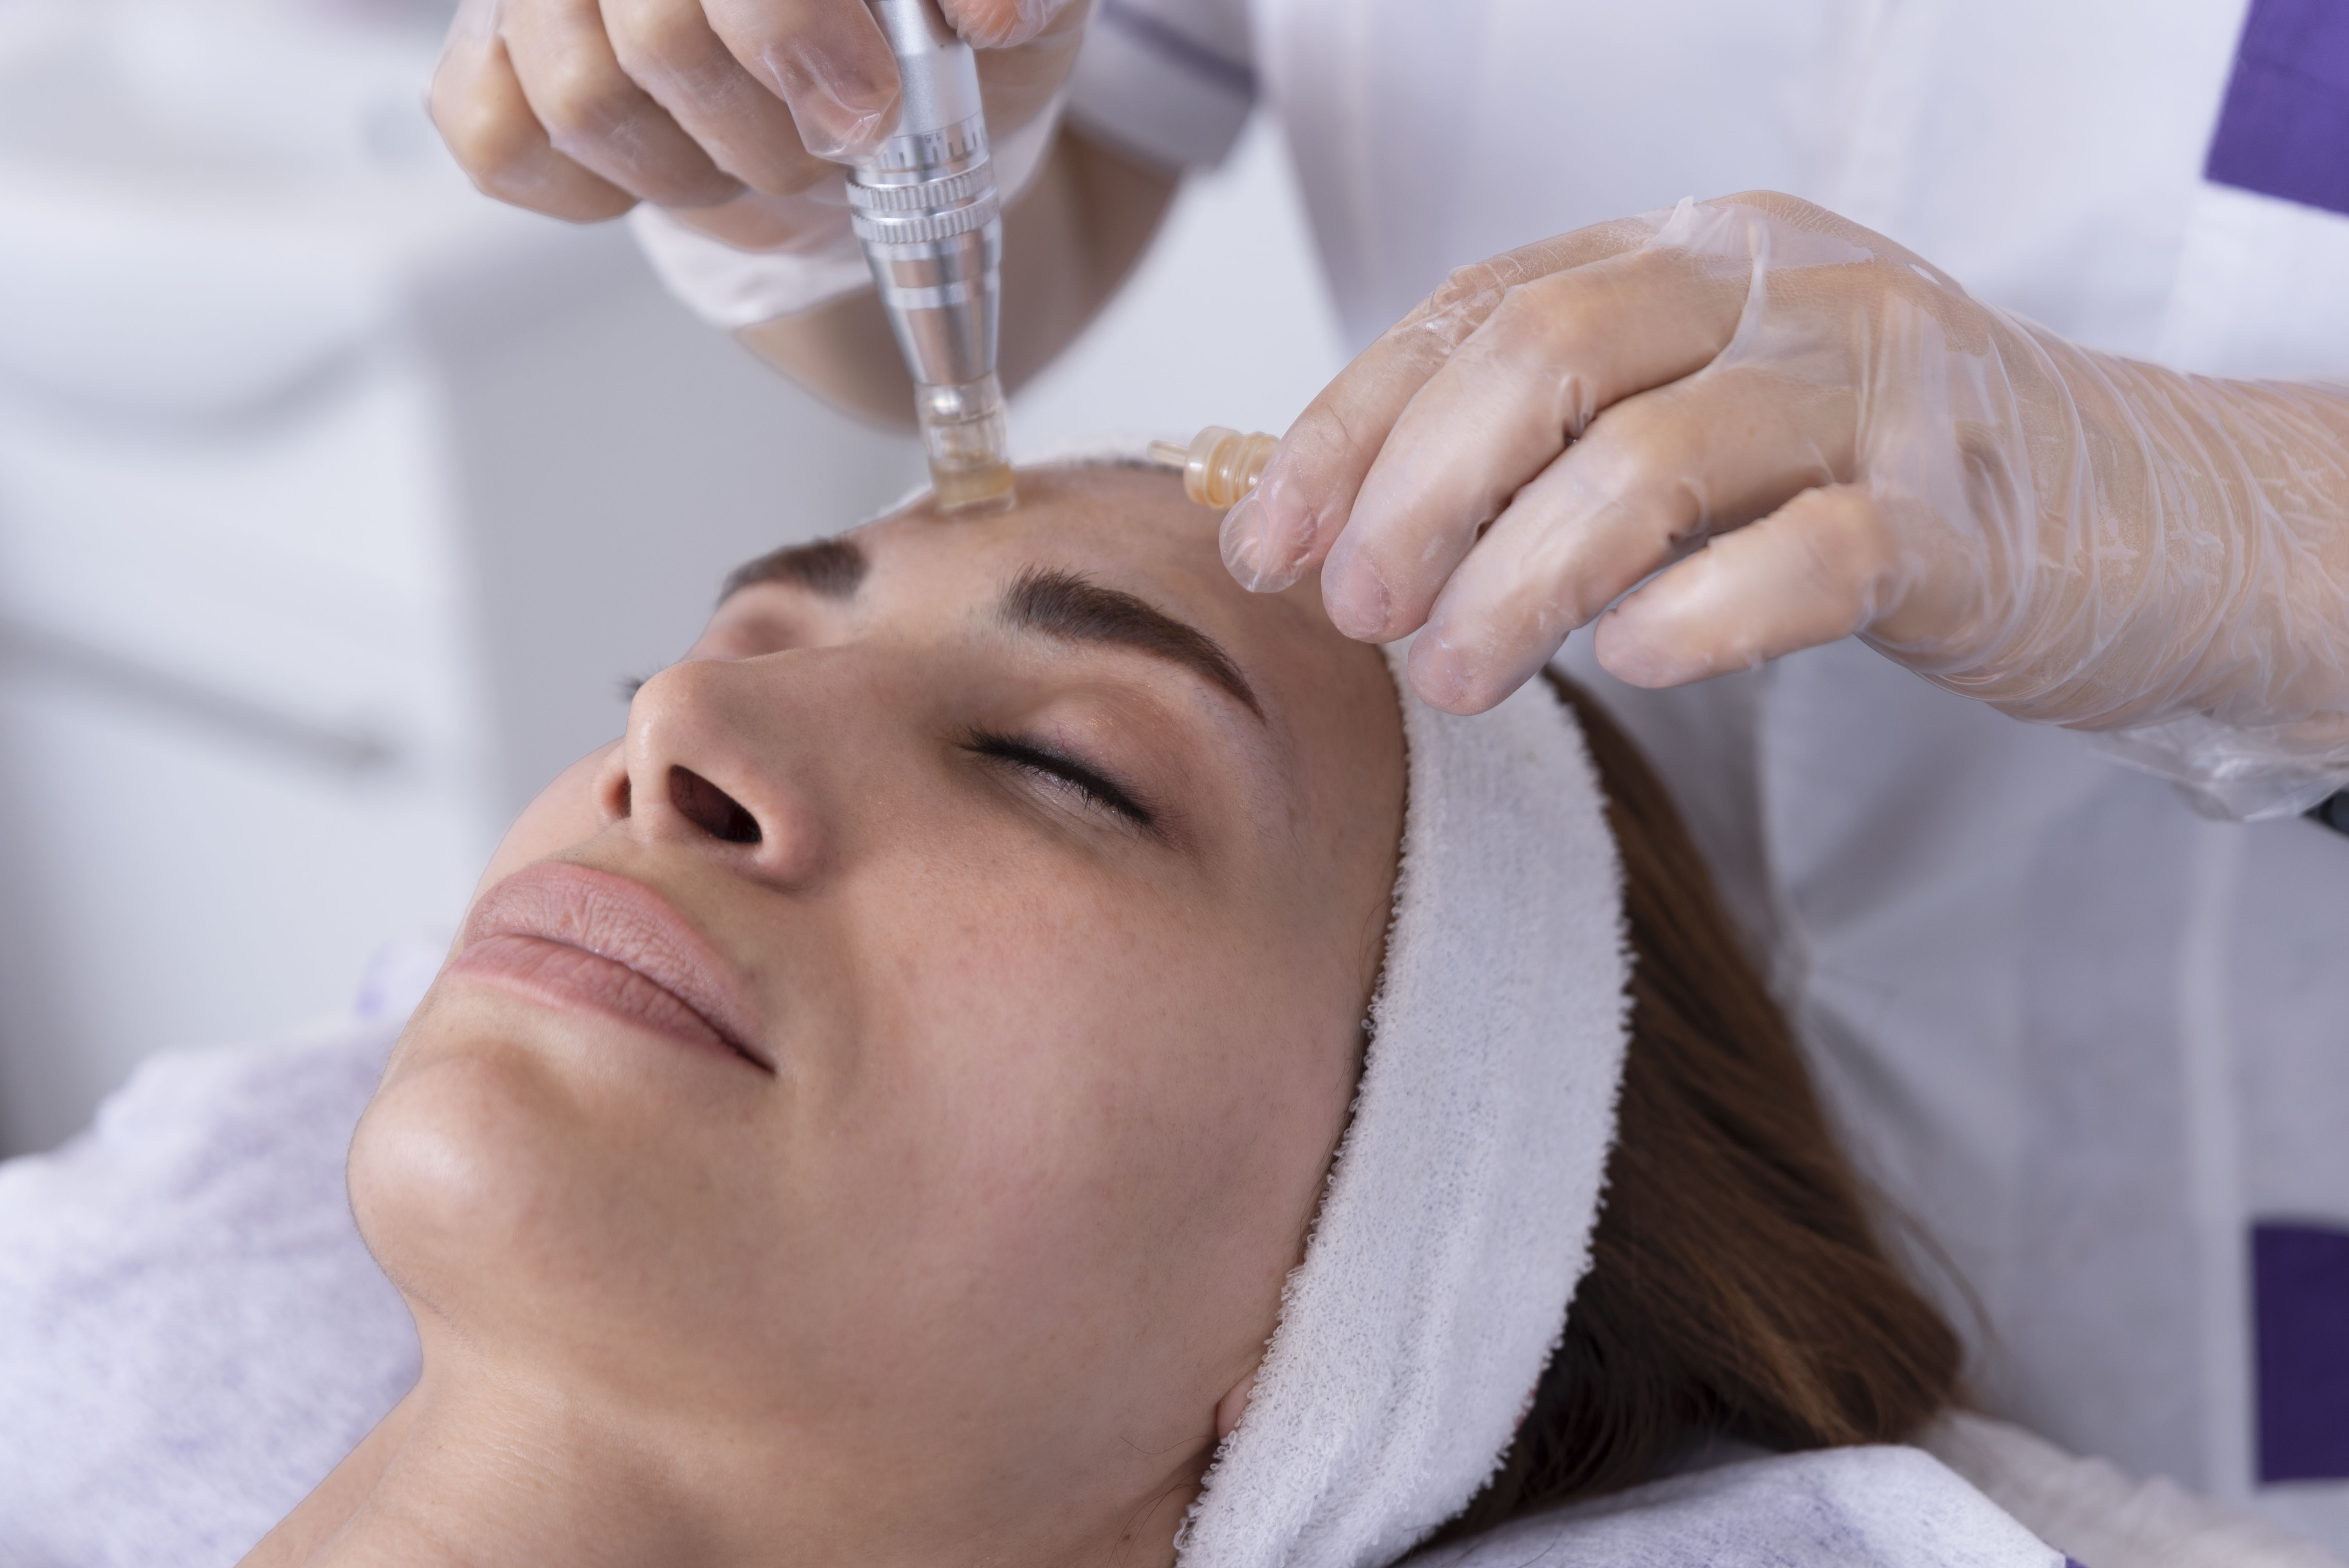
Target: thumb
column 1006, row 24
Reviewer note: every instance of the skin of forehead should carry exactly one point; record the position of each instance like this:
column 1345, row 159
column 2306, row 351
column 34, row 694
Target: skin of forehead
column 1126, row 528
column 1135, row 515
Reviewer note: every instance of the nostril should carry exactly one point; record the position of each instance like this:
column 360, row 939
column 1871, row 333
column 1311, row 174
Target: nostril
column 710, row 809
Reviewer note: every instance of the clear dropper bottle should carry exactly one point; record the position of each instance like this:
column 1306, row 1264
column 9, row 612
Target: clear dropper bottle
column 1219, row 465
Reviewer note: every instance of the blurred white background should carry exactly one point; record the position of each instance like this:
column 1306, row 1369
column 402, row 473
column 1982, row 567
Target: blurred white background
column 336, row 501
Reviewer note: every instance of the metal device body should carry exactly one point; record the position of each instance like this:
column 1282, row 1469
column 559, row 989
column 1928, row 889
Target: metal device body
column 925, row 207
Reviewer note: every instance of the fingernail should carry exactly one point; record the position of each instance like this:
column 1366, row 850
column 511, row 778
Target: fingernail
column 1356, row 599
column 1265, row 539
column 1438, row 672
column 1000, row 25
column 1243, row 544
column 475, row 22
column 840, row 109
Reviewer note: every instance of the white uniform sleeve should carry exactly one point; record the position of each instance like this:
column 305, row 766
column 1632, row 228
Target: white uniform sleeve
column 730, row 288
column 1169, row 81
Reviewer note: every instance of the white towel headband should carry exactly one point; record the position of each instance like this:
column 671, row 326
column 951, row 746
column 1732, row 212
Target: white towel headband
column 1458, row 1214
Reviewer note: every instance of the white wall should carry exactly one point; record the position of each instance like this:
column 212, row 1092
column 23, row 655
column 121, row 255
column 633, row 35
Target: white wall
column 1225, row 322
column 335, row 502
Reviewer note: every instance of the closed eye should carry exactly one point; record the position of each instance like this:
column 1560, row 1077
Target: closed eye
column 1096, row 790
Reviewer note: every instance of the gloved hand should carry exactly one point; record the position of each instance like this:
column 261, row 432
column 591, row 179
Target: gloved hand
column 1808, row 432
column 736, row 113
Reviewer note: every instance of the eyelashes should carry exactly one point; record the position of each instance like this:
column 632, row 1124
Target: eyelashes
column 1095, row 789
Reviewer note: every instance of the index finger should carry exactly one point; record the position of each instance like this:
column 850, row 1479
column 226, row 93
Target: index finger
column 1517, row 394
column 476, row 103
column 670, row 50
column 1285, row 525
column 827, row 59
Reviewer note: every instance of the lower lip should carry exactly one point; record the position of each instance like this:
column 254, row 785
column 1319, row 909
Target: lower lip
column 575, row 980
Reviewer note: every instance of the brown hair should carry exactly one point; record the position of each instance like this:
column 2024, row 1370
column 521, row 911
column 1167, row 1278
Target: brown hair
column 1736, row 1286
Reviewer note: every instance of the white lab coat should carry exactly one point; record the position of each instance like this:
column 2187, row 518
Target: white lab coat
column 2083, row 1037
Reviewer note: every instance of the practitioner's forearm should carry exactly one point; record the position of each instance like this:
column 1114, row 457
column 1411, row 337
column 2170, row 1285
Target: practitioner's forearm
column 1067, row 246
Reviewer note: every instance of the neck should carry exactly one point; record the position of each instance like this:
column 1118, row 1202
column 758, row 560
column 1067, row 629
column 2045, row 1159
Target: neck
column 473, row 1471
column 460, row 1473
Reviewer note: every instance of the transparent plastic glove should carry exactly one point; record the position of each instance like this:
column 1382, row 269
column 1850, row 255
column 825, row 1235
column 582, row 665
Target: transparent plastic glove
column 724, row 111
column 1804, row 432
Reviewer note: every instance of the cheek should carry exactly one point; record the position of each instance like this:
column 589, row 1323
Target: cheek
column 1125, row 1110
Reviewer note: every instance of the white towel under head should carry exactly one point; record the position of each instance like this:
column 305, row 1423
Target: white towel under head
column 1457, row 1217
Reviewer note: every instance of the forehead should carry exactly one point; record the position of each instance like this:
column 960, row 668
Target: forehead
column 1122, row 529
column 1109, row 522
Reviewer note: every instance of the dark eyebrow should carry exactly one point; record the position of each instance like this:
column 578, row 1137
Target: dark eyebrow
column 829, row 568
column 1063, row 604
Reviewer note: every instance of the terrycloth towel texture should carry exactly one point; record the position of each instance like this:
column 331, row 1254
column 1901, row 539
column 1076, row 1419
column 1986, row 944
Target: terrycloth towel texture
column 1840, row 1508
column 190, row 1333
column 1457, row 1217
column 2102, row 1517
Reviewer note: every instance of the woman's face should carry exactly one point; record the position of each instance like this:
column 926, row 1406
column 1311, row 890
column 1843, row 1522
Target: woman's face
column 916, row 1048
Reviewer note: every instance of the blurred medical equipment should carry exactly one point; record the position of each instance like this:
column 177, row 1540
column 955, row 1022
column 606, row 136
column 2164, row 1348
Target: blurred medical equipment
column 928, row 213
column 335, row 500
column 1220, row 465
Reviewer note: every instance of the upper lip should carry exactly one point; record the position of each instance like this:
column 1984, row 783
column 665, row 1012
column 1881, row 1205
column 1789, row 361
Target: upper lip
column 618, row 918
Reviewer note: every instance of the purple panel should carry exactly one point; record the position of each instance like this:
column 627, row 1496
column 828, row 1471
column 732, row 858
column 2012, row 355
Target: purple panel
column 2300, row 1302
column 2284, row 127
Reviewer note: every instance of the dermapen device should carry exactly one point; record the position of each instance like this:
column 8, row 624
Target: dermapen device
column 924, row 204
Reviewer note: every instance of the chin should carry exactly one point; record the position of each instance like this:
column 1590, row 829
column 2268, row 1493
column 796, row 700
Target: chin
column 491, row 1178
column 534, row 1209
column 450, row 1169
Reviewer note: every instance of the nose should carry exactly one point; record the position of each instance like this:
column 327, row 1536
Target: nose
column 716, row 758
